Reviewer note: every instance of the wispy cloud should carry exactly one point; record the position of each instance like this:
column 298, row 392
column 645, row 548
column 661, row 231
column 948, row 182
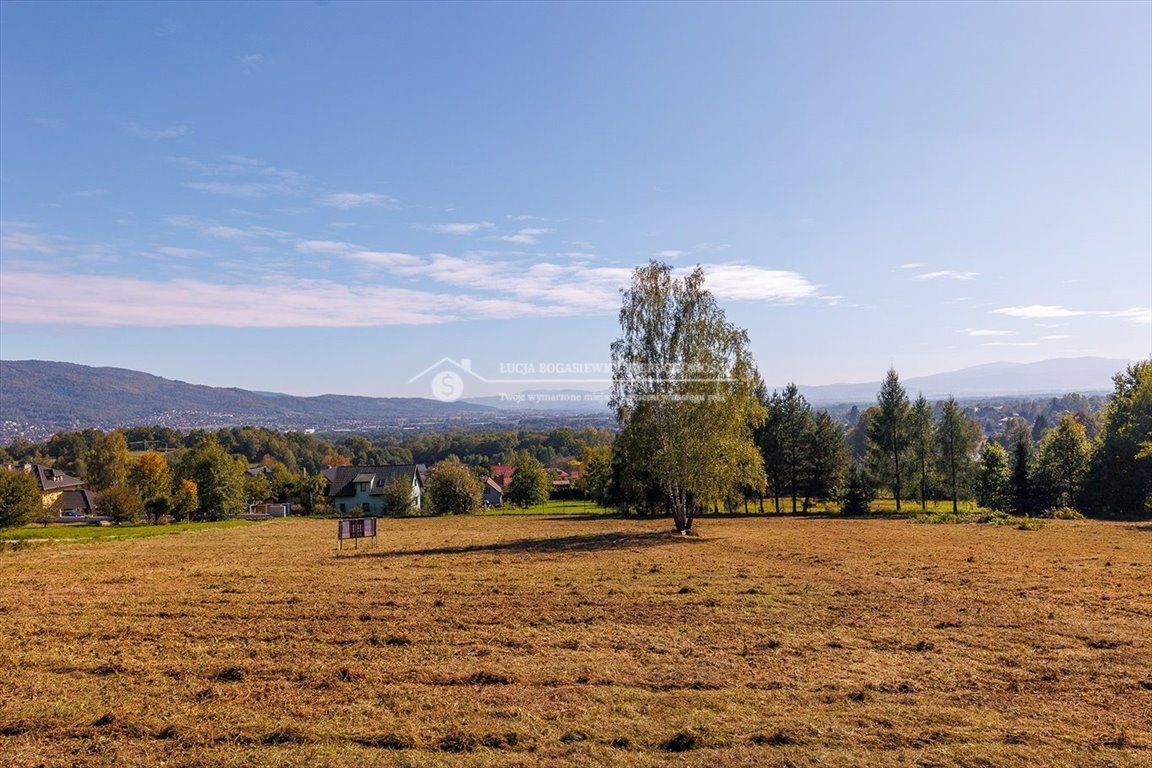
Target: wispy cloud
column 214, row 229
column 741, row 282
column 180, row 253
column 670, row 254
column 1038, row 311
column 358, row 200
column 141, row 132
column 381, row 259
column 911, row 265
column 36, row 298
column 524, row 237
column 947, row 274
column 250, row 61
column 20, row 240
column 241, row 176
column 469, row 228
column 1055, row 337
column 324, row 246
column 1012, row 344
column 245, row 189
column 984, row 332
column 386, row 259
column 1138, row 315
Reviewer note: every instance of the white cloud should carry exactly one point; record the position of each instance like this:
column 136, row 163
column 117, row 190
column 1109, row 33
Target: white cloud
column 947, row 274
column 386, row 259
column 460, row 229
column 670, row 254
column 911, row 265
column 181, row 253
column 250, row 61
column 212, row 229
column 172, row 132
column 226, row 233
column 37, row 298
column 1033, row 311
column 1055, row 337
column 358, row 200
column 1138, row 315
column 241, row 176
column 741, row 282
column 1012, row 344
column 984, row 332
column 524, row 236
column 25, row 242
column 324, row 246
column 240, row 189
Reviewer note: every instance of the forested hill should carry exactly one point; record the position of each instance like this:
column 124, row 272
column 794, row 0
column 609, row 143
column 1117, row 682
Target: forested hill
column 53, row 396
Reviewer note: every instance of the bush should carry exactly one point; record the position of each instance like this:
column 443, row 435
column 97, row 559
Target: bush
column 858, row 493
column 454, row 489
column 19, row 498
column 1062, row 513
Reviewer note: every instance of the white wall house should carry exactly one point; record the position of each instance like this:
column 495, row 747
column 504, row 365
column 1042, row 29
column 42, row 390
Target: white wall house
column 359, row 491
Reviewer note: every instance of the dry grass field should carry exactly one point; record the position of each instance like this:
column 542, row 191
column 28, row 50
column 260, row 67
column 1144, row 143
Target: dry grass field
column 572, row 641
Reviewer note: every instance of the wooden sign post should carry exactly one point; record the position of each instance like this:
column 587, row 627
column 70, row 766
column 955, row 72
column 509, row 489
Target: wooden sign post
column 356, row 529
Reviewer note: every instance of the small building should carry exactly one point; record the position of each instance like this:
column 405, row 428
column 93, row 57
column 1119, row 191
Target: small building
column 77, row 504
column 360, row 490
column 493, row 493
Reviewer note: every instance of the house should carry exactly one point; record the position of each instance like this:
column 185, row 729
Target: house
column 493, row 493
column 53, row 483
column 360, row 490
column 559, row 478
column 502, row 474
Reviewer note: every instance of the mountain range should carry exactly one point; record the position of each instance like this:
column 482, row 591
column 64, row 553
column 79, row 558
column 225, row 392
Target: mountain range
column 43, row 395
column 40, row 397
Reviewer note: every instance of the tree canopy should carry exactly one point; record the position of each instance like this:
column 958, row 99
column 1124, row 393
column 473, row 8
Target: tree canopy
column 683, row 390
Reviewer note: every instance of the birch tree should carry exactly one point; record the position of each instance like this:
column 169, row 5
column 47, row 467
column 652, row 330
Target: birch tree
column 683, row 386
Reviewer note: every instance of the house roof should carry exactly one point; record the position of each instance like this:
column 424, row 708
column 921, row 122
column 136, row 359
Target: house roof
column 503, row 472
column 86, row 500
column 493, row 485
column 53, row 479
column 344, row 479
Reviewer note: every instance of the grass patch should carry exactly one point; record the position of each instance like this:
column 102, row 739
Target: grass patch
column 576, row 641
column 566, row 507
column 82, row 534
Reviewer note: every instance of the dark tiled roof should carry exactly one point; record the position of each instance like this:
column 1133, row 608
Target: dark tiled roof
column 53, row 479
column 85, row 500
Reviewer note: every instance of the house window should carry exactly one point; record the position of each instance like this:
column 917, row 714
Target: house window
column 343, row 510
column 365, row 508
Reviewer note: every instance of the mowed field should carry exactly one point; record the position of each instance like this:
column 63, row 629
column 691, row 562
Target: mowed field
column 579, row 641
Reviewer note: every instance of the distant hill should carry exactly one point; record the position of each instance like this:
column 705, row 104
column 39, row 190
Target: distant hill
column 1047, row 377
column 1085, row 375
column 38, row 398
column 54, row 396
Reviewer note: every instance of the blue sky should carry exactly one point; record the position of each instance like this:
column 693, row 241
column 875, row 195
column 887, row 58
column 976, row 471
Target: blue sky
column 330, row 197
